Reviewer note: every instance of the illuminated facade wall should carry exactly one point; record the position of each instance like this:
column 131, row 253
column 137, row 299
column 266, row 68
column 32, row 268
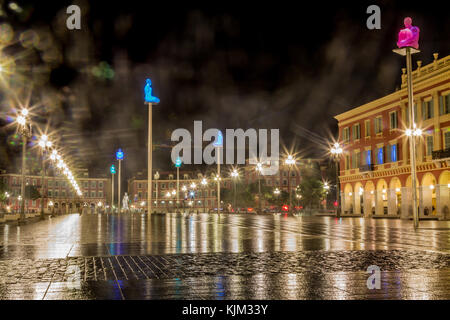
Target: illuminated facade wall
column 137, row 189
column 375, row 168
column 57, row 191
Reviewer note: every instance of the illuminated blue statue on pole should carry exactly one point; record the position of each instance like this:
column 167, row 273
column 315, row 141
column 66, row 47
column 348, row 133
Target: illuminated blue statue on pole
column 148, row 93
column 219, row 142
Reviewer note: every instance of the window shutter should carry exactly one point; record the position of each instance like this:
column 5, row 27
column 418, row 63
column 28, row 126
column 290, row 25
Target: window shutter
column 431, row 109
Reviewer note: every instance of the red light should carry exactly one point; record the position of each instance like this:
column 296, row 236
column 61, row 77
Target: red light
column 335, row 204
column 249, row 209
column 285, row 208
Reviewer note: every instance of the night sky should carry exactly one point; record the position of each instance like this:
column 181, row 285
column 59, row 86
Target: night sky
column 232, row 65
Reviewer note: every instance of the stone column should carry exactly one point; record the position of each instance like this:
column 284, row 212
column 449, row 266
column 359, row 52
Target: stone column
column 378, row 202
column 443, row 201
column 406, row 209
column 438, row 201
column 421, row 203
column 357, row 202
column 392, row 202
column 367, row 204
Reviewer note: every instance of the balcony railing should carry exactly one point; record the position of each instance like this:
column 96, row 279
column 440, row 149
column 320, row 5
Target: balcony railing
column 441, row 154
column 366, row 167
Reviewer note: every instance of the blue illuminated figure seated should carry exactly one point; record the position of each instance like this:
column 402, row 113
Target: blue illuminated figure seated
column 148, row 93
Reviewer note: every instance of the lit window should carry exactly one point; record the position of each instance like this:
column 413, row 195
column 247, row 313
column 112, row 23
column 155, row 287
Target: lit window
column 393, row 120
column 429, row 145
column 378, row 125
column 367, row 128
column 427, row 110
column 356, row 132
column 393, row 153
column 380, row 156
column 369, row 157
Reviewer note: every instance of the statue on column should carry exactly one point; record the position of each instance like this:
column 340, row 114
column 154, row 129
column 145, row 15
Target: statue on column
column 409, row 36
column 148, row 93
column 125, row 202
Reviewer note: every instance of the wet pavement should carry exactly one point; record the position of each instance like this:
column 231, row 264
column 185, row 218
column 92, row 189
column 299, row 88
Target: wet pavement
column 202, row 256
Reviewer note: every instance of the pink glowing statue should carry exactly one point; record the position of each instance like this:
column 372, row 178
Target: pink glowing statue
column 408, row 37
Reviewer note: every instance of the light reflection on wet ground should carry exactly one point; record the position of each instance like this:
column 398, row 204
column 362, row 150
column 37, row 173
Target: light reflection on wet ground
column 270, row 257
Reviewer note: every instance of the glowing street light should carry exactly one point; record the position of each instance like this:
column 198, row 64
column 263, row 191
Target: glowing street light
column 289, row 161
column 25, row 132
column 336, row 152
column 44, row 143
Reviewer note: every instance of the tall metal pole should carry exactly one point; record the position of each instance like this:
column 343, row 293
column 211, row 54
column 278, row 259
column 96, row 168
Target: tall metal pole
column 112, row 193
column 412, row 145
column 234, row 198
column 218, row 180
column 22, row 187
column 178, row 187
column 289, row 188
column 259, row 192
column 149, row 162
column 118, row 186
column 156, row 194
column 338, row 207
column 204, row 199
column 43, row 185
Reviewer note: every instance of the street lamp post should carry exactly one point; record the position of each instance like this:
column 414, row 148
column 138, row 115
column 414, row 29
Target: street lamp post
column 119, row 157
column 178, row 163
column 276, row 192
column 259, row 170
column 113, row 172
column 408, row 45
column 289, row 162
column 174, row 194
column 204, row 184
column 150, row 100
column 54, row 156
column 336, row 152
column 184, row 189
column 326, row 187
column 234, row 176
column 25, row 131
column 44, row 143
column 156, row 179
column 218, row 144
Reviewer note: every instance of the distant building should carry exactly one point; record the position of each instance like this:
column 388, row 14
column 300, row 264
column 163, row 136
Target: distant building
column 200, row 197
column 375, row 173
column 59, row 196
column 206, row 197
